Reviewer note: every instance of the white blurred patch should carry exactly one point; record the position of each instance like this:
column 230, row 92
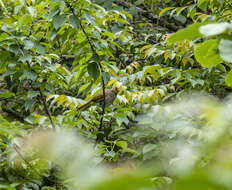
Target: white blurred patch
column 67, row 150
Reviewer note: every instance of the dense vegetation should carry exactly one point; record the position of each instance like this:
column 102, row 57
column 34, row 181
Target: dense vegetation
column 165, row 65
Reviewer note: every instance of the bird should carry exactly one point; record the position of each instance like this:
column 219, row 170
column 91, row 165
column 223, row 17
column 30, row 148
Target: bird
column 110, row 95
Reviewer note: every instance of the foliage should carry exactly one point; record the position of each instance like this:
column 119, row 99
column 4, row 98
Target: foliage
column 56, row 55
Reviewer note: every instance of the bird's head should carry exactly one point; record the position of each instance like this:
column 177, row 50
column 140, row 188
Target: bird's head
column 116, row 90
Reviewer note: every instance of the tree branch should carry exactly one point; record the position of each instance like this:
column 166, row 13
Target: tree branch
column 101, row 68
column 42, row 98
column 46, row 108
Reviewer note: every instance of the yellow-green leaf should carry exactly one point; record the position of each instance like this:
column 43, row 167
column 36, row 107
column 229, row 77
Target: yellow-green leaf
column 207, row 53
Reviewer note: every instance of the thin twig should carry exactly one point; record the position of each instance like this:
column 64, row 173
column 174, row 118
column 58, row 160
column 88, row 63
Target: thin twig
column 46, row 109
column 17, row 150
column 42, row 98
column 101, row 68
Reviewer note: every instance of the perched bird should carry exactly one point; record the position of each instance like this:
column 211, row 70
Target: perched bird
column 110, row 95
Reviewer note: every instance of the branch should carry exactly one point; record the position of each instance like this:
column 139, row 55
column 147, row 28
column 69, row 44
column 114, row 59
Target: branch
column 17, row 149
column 42, row 97
column 46, row 108
column 101, row 68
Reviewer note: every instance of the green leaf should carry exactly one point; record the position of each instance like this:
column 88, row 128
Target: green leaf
column 39, row 48
column 133, row 11
column 229, row 79
column 28, row 2
column 149, row 147
column 192, row 11
column 5, row 55
column 52, row 13
column 31, row 10
column 180, row 18
column 30, row 75
column 7, row 94
column 125, row 182
column 28, row 44
column 3, row 36
column 58, row 21
column 225, row 50
column 25, row 20
column 2, row 4
column 40, row 119
column 109, row 34
column 138, row 2
column 25, row 58
column 215, row 29
column 32, row 94
column 9, row 72
column 8, row 187
column 122, row 144
column 29, row 104
column 200, row 180
column 106, row 77
column 14, row 49
column 202, row 4
column 165, row 10
column 90, row 19
column 188, row 33
column 93, row 70
column 206, row 53
column 122, row 119
column 48, row 188
column 74, row 21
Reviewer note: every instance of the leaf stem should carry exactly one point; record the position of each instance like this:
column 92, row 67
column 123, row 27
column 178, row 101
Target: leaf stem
column 101, row 68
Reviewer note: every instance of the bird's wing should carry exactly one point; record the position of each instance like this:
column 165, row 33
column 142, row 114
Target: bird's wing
column 99, row 96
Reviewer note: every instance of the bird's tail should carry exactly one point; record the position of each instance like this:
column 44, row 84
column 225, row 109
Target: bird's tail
column 85, row 106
